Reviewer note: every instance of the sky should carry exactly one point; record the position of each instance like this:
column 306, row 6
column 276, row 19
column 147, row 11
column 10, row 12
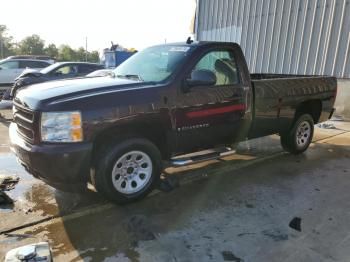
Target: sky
column 131, row 23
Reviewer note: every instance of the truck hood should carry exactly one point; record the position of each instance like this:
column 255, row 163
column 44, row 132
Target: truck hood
column 28, row 72
column 56, row 91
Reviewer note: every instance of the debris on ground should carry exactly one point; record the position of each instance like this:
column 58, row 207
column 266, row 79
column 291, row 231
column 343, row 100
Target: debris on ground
column 229, row 256
column 326, row 126
column 295, row 223
column 18, row 236
column 245, row 234
column 8, row 183
column 29, row 210
column 168, row 184
column 139, row 227
column 275, row 234
column 249, row 205
column 34, row 252
column 5, row 200
column 337, row 118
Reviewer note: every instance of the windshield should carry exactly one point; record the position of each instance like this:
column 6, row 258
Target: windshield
column 153, row 64
column 49, row 68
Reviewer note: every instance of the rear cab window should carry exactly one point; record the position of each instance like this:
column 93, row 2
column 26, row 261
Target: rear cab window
column 222, row 64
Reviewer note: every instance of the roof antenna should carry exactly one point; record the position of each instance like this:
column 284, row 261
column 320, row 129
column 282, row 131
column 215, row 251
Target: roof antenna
column 189, row 40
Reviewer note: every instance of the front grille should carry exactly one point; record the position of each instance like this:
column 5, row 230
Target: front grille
column 25, row 120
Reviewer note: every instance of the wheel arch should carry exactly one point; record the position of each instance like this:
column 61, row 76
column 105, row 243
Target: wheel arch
column 312, row 107
column 155, row 132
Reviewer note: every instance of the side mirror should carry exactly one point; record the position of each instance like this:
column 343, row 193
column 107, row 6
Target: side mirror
column 0, row 68
column 201, row 77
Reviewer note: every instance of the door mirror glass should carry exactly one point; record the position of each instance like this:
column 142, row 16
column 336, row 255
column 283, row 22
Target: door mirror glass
column 201, row 77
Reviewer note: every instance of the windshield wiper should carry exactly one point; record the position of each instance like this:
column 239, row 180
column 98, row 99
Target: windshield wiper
column 137, row 77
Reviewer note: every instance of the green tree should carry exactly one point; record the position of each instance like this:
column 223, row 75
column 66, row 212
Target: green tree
column 66, row 53
column 80, row 54
column 31, row 45
column 93, row 57
column 6, row 45
column 34, row 45
column 51, row 50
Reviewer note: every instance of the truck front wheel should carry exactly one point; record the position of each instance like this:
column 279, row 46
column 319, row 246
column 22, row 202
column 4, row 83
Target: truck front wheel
column 127, row 171
column 298, row 139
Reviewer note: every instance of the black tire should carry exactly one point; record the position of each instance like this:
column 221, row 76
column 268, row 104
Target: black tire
column 107, row 162
column 296, row 141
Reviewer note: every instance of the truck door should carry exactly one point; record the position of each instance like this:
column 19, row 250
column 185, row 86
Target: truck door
column 208, row 116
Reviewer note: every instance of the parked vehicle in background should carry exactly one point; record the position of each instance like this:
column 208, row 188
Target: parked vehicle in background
column 115, row 55
column 57, row 71
column 112, row 59
column 34, row 57
column 165, row 101
column 102, row 72
column 12, row 67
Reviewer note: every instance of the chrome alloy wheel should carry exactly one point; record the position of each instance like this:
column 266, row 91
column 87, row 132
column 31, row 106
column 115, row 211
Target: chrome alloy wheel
column 303, row 134
column 131, row 172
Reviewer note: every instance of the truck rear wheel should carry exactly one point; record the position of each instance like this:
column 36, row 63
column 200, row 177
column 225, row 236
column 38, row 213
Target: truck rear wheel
column 128, row 170
column 298, row 139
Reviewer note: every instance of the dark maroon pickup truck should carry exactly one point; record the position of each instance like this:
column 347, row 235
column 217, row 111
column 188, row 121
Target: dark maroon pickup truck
column 117, row 132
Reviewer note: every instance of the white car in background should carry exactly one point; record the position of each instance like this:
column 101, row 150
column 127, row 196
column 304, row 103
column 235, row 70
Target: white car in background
column 11, row 68
column 101, row 72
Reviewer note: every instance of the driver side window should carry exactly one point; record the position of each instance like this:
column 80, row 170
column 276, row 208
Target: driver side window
column 222, row 64
column 66, row 70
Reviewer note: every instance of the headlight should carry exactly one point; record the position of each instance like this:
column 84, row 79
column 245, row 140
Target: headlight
column 61, row 127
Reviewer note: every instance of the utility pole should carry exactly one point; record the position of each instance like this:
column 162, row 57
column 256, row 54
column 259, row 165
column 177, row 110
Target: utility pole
column 86, row 52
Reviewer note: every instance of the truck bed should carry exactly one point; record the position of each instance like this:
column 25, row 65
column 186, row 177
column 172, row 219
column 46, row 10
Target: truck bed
column 277, row 76
column 277, row 97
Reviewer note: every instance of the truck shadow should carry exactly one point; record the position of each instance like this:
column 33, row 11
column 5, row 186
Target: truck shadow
column 136, row 222
column 123, row 231
column 113, row 231
column 93, row 228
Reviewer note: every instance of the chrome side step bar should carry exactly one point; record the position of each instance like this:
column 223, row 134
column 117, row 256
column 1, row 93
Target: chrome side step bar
column 197, row 158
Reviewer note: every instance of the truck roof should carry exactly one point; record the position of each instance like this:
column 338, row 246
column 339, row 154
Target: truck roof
column 198, row 43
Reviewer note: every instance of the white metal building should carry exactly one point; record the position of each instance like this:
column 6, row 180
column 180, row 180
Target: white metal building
column 282, row 36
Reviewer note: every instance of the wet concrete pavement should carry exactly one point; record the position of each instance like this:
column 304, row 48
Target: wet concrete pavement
column 236, row 209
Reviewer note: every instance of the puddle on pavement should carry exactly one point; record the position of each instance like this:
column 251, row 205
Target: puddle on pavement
column 10, row 167
column 33, row 196
column 67, row 241
column 260, row 146
column 112, row 236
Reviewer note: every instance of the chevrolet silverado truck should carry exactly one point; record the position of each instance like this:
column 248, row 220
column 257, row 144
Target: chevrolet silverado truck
column 164, row 103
